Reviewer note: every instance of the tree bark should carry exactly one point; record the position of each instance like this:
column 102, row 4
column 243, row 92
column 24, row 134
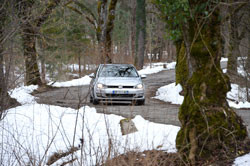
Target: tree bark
column 234, row 42
column 208, row 124
column 106, row 15
column 140, row 33
column 30, row 28
column 79, row 65
column 32, row 74
column 5, row 100
column 132, row 28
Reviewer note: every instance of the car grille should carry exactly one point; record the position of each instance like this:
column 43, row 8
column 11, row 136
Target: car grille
column 120, row 95
column 112, row 86
column 128, row 87
column 125, row 87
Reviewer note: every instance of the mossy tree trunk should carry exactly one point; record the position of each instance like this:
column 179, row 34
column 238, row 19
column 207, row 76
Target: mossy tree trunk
column 32, row 74
column 181, row 65
column 30, row 29
column 208, row 124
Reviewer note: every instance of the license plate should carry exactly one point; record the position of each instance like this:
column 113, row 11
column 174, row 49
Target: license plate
column 119, row 92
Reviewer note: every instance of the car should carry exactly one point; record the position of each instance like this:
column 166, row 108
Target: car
column 117, row 83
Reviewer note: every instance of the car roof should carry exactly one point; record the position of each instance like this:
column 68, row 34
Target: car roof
column 117, row 64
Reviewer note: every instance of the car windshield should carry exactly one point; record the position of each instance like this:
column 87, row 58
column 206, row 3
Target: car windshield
column 118, row 71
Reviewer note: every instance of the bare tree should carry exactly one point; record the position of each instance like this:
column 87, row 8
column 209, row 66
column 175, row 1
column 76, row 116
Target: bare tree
column 103, row 24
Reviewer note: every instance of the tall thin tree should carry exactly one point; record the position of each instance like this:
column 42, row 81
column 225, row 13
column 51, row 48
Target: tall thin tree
column 140, row 33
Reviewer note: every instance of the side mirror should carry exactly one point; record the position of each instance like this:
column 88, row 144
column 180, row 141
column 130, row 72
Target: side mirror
column 143, row 76
column 92, row 75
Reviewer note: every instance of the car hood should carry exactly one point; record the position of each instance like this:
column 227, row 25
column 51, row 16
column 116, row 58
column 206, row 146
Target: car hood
column 130, row 81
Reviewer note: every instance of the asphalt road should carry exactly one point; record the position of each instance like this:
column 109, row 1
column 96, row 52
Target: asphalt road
column 154, row 110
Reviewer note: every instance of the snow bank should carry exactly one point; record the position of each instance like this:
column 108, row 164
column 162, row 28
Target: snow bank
column 156, row 67
column 170, row 93
column 223, row 59
column 242, row 161
column 40, row 130
column 238, row 97
column 75, row 82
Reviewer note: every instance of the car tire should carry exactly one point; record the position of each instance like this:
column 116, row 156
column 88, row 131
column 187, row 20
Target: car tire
column 95, row 101
column 141, row 102
column 91, row 99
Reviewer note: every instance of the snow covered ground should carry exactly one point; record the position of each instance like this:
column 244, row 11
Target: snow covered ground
column 32, row 132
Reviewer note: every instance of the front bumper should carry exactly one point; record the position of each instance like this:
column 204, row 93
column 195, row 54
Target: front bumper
column 119, row 95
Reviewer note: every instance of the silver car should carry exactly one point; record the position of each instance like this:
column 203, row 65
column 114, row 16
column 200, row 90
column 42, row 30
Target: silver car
column 117, row 83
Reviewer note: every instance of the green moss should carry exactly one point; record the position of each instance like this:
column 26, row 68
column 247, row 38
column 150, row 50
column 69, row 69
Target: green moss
column 181, row 67
column 203, row 109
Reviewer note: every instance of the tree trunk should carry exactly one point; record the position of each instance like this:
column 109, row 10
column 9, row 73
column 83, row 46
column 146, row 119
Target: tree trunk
column 43, row 71
column 106, row 15
column 79, row 65
column 181, row 65
column 208, row 124
column 30, row 27
column 32, row 74
column 234, row 50
column 140, row 33
column 109, row 28
column 5, row 100
column 132, row 28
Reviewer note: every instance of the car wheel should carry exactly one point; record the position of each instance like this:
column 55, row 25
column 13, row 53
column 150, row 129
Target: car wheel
column 141, row 102
column 95, row 101
column 90, row 99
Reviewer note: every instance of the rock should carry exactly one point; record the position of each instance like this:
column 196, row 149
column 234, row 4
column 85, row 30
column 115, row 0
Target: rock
column 127, row 126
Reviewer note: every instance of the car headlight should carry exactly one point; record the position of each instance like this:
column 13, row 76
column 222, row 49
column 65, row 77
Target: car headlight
column 100, row 86
column 139, row 86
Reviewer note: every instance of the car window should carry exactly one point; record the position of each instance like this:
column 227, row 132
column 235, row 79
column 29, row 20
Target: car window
column 118, row 71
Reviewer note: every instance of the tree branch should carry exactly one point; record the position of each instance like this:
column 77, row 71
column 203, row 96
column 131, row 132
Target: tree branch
column 44, row 16
column 85, row 12
column 79, row 12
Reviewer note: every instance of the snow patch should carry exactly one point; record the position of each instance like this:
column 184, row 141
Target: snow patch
column 156, row 67
column 33, row 128
column 242, row 160
column 76, row 82
column 170, row 93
